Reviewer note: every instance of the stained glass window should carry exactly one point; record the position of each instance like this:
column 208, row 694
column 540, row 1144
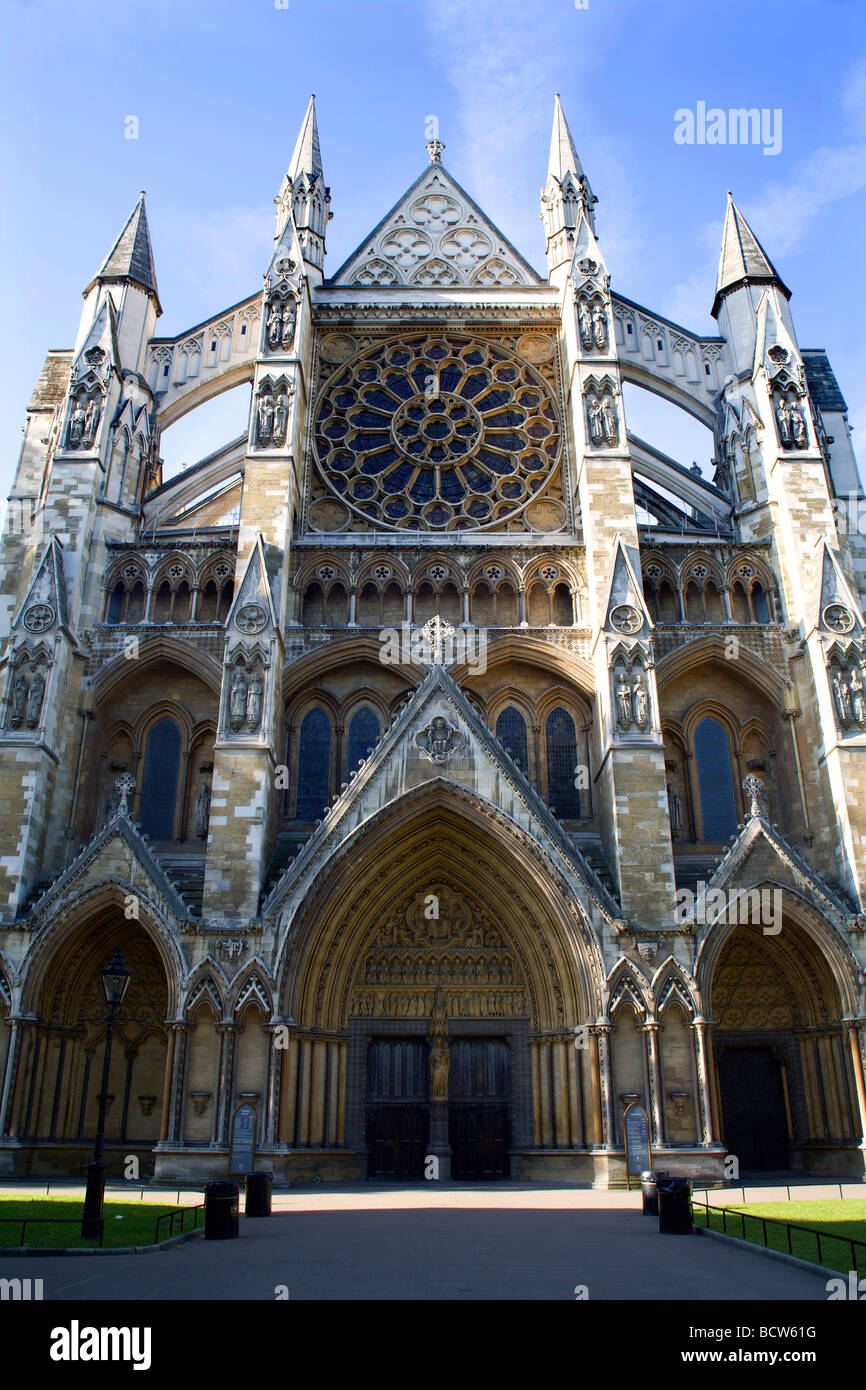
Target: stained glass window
column 363, row 735
column 562, row 764
column 159, row 783
column 511, row 732
column 314, row 762
column 715, row 780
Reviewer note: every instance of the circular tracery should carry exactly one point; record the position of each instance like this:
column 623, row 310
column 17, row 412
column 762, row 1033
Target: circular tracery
column 445, row 432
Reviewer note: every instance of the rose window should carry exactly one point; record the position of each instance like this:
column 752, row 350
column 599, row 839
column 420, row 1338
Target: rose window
column 440, row 432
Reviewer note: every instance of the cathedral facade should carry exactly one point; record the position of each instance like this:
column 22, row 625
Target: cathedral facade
column 452, row 768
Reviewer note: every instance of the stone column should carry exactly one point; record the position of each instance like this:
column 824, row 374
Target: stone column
column 174, row 1129
column 228, row 1033
column 703, row 1045
column 651, row 1031
column 273, row 1095
column 17, row 1032
column 288, row 1093
column 854, row 1030
column 602, row 1033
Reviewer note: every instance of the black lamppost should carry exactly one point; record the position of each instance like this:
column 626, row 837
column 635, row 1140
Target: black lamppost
column 115, row 978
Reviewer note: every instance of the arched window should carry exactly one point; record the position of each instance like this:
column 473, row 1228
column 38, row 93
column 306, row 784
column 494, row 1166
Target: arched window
column 314, row 764
column 115, row 604
column 159, row 784
column 511, row 732
column 363, row 735
column 760, row 604
column 562, row 764
column 715, row 780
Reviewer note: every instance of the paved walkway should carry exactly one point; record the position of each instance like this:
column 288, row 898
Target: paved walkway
column 461, row 1242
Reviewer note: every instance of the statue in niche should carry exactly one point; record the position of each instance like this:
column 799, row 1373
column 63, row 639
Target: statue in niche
column 599, row 325
column 237, row 699
column 756, row 795
column 858, row 696
column 91, row 420
column 275, row 324
column 288, row 323
column 675, row 815
column 640, row 703
column 19, row 700
column 785, row 421
column 266, row 418
column 609, row 422
column 584, row 323
column 34, row 700
column 255, row 695
column 842, row 698
column 623, row 702
column 596, row 425
column 281, row 418
column 440, row 1066
column 202, row 811
column 798, row 426
column 76, row 425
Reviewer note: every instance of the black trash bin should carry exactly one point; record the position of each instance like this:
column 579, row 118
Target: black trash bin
column 675, row 1207
column 221, row 1200
column 258, row 1199
column 649, row 1189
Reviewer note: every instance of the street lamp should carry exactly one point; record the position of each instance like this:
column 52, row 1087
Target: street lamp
column 115, row 979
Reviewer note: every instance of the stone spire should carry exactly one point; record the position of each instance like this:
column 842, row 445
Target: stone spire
column 131, row 257
column 743, row 260
column 303, row 194
column 566, row 192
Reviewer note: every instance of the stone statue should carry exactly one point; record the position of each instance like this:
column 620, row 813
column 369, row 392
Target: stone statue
column 281, row 418
column 674, row 813
column 266, row 418
column 76, row 425
column 584, row 322
column 842, row 698
column 34, row 700
column 596, row 425
column 255, row 695
column 623, row 703
column 202, row 811
column 19, row 699
column 599, row 325
column 440, row 1066
column 798, row 426
column 756, row 795
column 91, row 420
column 640, row 703
column 858, row 696
column 237, row 699
column 609, row 421
column 275, row 324
column 288, row 330
column 783, row 415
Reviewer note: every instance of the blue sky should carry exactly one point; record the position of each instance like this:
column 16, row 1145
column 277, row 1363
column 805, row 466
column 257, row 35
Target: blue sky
column 219, row 89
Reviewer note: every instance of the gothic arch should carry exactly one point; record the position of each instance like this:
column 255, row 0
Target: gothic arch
column 206, row 983
column 427, row 836
column 626, row 984
column 672, row 984
column 749, row 665
column 523, row 648
column 150, row 651
column 252, row 984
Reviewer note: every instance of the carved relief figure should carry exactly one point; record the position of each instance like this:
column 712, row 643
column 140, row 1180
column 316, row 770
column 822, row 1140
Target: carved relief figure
column 609, row 421
column 237, row 699
column 440, row 1066
column 596, row 425
column 675, row 815
column 202, row 811
column 786, row 430
column 288, row 323
column 255, row 695
column 798, row 426
column 858, row 696
column 640, row 703
column 19, row 700
column 266, row 418
column 91, row 420
column 623, row 702
column 76, row 425
column 34, row 700
column 584, row 322
column 599, row 325
column 275, row 324
column 281, row 418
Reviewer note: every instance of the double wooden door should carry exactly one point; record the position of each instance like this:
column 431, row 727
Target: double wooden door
column 753, row 1107
column 398, row 1108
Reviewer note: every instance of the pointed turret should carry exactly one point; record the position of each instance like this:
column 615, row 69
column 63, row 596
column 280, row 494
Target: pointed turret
column 131, row 257
column 565, row 194
column 743, row 260
column 303, row 194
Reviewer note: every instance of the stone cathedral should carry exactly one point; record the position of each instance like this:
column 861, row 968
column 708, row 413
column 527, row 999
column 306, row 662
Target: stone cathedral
column 451, row 767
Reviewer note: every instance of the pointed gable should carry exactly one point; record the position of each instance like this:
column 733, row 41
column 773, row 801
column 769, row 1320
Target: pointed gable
column 437, row 737
column 743, row 259
column 436, row 237
column 45, row 601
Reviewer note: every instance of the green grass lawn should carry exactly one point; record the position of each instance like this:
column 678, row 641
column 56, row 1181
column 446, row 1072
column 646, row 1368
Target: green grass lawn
column 126, row 1223
column 834, row 1219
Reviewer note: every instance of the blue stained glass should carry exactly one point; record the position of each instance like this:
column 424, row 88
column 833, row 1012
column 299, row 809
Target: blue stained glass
column 449, row 378
column 511, row 732
column 400, row 386
column 423, row 488
column 715, row 780
column 473, row 384
column 363, row 735
column 314, row 760
column 159, row 783
column 451, row 487
column 562, row 764
column 380, row 399
column 493, row 399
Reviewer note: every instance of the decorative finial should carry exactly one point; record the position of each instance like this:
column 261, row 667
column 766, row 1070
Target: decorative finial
column 434, row 149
